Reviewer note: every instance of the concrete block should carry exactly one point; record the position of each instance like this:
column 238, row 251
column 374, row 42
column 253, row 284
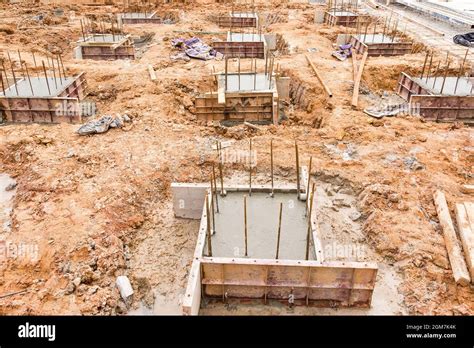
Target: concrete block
column 78, row 52
column 188, row 200
column 319, row 17
column 271, row 41
column 283, row 87
column 343, row 39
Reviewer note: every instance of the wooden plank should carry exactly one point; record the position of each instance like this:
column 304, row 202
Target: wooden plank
column 467, row 236
column 354, row 64
column 469, row 189
column 121, row 42
column 458, row 265
column 360, row 70
column 470, row 213
column 326, row 88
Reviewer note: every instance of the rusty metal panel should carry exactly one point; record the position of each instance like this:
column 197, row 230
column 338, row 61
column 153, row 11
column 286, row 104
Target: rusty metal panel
column 445, row 108
column 237, row 22
column 311, row 282
column 240, row 49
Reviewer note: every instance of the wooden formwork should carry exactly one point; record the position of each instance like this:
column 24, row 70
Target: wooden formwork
column 62, row 108
column 344, row 20
column 238, row 107
column 329, row 284
column 441, row 108
column 106, row 52
column 229, row 21
column 153, row 18
column 233, row 49
column 313, row 283
column 381, row 48
column 97, row 50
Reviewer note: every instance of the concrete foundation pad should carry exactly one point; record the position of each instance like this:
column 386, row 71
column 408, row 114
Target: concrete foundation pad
column 262, row 226
column 435, row 85
column 40, row 87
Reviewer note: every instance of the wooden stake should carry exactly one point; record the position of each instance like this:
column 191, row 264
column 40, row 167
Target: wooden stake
column 279, row 232
column 310, row 228
column 360, row 70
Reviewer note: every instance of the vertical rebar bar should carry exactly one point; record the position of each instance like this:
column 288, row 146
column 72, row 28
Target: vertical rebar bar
column 46, row 77
column 245, row 225
column 279, row 232
column 250, row 167
column 310, row 227
column 271, row 165
column 208, row 220
column 297, row 171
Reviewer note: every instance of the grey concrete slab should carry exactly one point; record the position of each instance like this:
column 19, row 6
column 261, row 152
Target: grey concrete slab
column 249, row 83
column 377, row 38
column 106, row 38
column 137, row 15
column 243, row 15
column 40, row 87
column 435, row 85
column 262, row 226
column 344, row 13
column 245, row 37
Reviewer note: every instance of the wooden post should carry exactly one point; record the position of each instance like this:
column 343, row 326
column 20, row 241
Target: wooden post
column 310, row 228
column 245, row 225
column 458, row 265
column 326, row 88
column 360, row 70
column 467, row 236
column 279, row 232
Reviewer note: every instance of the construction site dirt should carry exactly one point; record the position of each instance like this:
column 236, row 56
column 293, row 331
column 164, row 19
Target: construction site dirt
column 79, row 211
